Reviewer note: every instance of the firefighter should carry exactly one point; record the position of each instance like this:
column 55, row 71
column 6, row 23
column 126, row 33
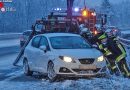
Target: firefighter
column 102, row 46
column 115, row 53
column 97, row 39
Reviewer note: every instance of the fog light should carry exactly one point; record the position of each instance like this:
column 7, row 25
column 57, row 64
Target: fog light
column 64, row 70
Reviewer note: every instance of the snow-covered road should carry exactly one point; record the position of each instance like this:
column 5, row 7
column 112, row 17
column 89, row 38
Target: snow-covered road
column 12, row 78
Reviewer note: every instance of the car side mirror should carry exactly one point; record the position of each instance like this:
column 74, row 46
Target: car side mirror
column 44, row 48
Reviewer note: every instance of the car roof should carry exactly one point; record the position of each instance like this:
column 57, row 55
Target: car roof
column 58, row 34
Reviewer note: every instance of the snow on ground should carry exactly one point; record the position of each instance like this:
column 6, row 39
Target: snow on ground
column 7, row 43
column 30, row 83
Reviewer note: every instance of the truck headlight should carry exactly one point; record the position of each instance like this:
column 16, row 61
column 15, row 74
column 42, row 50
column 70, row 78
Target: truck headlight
column 66, row 59
column 100, row 59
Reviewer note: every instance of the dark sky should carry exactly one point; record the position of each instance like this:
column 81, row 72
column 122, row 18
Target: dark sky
column 94, row 2
column 97, row 2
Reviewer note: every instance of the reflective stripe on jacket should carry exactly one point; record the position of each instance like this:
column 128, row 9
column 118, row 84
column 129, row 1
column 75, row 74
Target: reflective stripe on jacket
column 123, row 55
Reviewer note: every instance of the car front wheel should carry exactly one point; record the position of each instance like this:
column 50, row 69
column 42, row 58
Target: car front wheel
column 26, row 69
column 51, row 72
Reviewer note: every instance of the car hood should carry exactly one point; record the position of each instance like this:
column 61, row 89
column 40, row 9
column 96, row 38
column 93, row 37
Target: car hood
column 78, row 53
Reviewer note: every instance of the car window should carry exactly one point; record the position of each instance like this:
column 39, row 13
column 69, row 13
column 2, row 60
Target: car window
column 68, row 42
column 35, row 42
column 44, row 42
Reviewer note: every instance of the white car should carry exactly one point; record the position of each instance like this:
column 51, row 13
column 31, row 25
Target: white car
column 62, row 54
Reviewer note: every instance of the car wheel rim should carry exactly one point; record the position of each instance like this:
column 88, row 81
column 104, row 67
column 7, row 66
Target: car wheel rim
column 25, row 67
column 51, row 71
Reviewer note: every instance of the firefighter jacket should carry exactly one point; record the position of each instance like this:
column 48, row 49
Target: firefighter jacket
column 112, row 49
column 101, row 47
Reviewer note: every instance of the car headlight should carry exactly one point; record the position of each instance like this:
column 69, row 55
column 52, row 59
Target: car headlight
column 100, row 59
column 66, row 59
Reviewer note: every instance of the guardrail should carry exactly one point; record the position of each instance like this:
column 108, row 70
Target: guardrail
column 125, row 42
column 9, row 50
column 4, row 36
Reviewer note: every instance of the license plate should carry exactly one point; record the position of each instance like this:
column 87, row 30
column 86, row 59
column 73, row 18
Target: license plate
column 84, row 72
column 87, row 67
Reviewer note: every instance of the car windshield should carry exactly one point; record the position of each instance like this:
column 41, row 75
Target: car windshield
column 68, row 42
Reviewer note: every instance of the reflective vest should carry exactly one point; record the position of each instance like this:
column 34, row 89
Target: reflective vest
column 123, row 55
column 106, row 52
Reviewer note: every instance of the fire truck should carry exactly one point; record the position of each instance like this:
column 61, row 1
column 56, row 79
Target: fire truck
column 59, row 22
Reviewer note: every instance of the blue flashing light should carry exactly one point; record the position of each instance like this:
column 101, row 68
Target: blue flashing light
column 76, row 9
column 58, row 9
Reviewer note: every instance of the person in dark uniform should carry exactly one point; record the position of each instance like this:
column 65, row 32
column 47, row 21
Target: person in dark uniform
column 114, row 51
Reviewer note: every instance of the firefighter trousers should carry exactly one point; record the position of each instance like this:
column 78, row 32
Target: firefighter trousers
column 112, row 66
column 122, row 65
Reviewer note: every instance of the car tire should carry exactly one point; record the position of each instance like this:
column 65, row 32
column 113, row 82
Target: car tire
column 52, row 76
column 26, row 68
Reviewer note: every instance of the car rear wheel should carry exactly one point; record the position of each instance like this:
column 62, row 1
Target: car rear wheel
column 26, row 69
column 51, row 72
